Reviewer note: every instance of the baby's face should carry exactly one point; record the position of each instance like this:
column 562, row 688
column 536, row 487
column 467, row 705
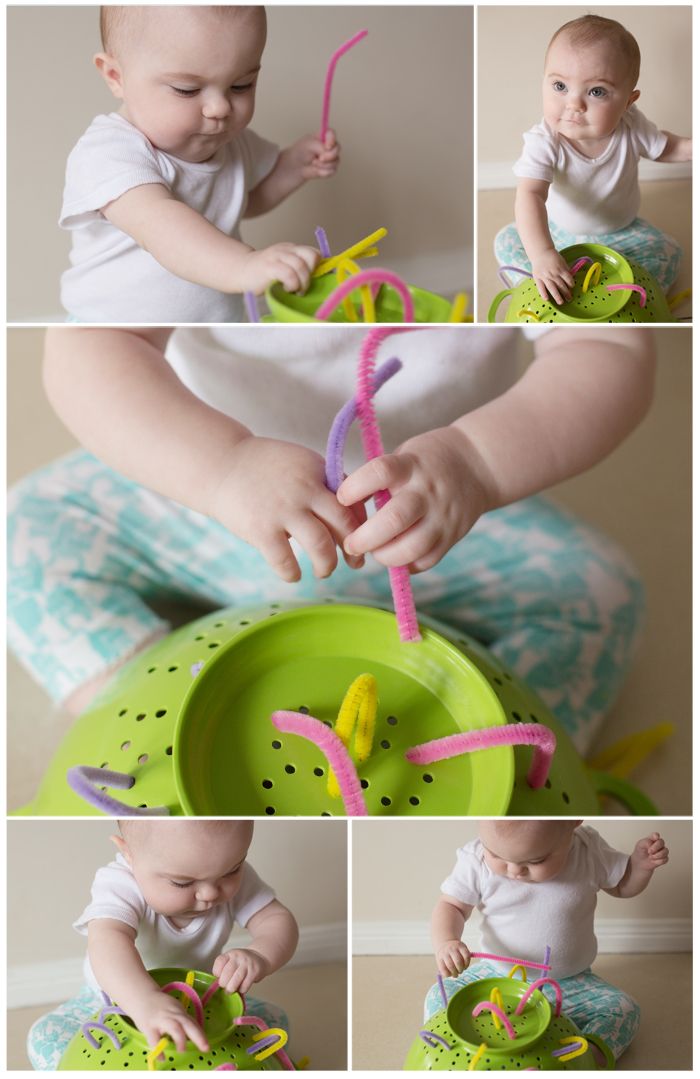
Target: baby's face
column 528, row 851
column 187, row 77
column 585, row 90
column 185, row 868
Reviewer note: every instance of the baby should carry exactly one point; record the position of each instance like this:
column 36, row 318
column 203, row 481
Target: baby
column 201, row 475
column 171, row 898
column 577, row 176
column 155, row 192
column 535, row 883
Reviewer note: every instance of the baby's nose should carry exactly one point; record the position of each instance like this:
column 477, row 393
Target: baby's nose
column 216, row 106
column 206, row 893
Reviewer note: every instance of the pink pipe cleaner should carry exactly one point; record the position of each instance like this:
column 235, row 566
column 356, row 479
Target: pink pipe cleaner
column 536, row 985
column 213, row 988
column 512, row 962
column 399, row 576
column 512, row 734
column 486, row 1006
column 255, row 1021
column 576, row 266
column 631, row 288
column 367, row 277
column 334, row 751
column 340, row 51
column 193, row 995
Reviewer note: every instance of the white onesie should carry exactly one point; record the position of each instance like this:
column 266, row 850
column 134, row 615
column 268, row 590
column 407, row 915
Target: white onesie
column 591, row 195
column 111, row 278
column 521, row 918
column 115, row 894
column 289, row 382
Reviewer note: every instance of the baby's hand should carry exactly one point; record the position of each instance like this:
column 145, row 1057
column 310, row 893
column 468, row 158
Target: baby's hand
column 552, row 274
column 314, row 159
column 452, row 958
column 158, row 1014
column 240, row 968
column 650, row 852
column 290, row 264
column 436, row 498
column 273, row 490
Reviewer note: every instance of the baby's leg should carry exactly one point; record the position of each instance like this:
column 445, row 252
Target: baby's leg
column 553, row 599
column 480, row 968
column 596, row 1007
column 654, row 250
column 273, row 1015
column 509, row 251
column 49, row 1036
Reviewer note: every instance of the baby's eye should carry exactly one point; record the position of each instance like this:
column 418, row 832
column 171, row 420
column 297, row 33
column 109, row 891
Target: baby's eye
column 181, row 884
column 559, row 86
column 243, row 88
column 184, row 93
column 598, row 91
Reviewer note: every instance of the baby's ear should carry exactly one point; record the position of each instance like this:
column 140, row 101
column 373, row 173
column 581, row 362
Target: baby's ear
column 634, row 96
column 121, row 847
column 110, row 71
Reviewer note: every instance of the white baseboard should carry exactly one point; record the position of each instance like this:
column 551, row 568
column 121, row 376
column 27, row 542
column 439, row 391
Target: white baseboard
column 498, row 175
column 616, row 936
column 34, row 984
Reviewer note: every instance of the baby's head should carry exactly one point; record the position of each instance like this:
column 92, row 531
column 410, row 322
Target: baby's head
column 528, row 850
column 184, row 868
column 590, row 74
column 186, row 76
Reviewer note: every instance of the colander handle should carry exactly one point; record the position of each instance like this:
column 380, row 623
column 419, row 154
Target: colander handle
column 497, row 303
column 605, row 1050
column 625, row 793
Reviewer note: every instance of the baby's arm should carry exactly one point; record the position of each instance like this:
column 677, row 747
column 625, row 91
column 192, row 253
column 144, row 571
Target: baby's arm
column 189, row 246
column 550, row 271
column 446, row 928
column 677, row 148
column 120, row 972
column 274, row 936
column 114, row 389
column 306, row 159
column 647, row 856
column 579, row 398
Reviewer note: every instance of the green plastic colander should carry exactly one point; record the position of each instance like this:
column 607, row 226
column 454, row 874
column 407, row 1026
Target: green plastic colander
column 189, row 722
column 597, row 304
column 451, row 1040
column 228, row 1042
column 290, row 307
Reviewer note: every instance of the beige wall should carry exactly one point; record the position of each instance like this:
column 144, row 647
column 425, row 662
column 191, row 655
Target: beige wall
column 511, row 47
column 398, row 867
column 51, row 865
column 402, row 107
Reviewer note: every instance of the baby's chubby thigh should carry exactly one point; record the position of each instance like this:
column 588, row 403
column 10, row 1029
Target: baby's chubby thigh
column 596, row 1007
column 50, row 1036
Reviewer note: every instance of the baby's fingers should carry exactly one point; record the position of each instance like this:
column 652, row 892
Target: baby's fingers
column 317, row 541
column 277, row 552
column 379, row 474
column 400, row 513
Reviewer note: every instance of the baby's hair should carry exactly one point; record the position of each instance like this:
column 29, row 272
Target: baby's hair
column 590, row 29
column 118, row 22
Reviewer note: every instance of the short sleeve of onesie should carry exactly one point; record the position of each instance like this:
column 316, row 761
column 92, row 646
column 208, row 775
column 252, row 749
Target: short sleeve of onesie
column 110, row 158
column 605, row 865
column 115, row 894
column 465, row 882
column 646, row 137
column 540, row 153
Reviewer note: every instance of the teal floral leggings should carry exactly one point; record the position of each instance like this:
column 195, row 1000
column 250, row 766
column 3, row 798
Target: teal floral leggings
column 93, row 555
column 595, row 1006
column 50, row 1035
